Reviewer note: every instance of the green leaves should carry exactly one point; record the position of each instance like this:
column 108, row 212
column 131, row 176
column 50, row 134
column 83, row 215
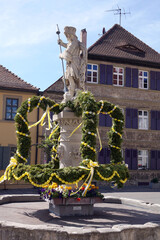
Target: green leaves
column 83, row 105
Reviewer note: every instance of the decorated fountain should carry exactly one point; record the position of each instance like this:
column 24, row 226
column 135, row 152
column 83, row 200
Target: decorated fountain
column 66, row 181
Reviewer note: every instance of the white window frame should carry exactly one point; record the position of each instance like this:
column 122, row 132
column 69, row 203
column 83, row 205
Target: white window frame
column 142, row 120
column 92, row 71
column 141, row 79
column 118, row 74
column 143, row 159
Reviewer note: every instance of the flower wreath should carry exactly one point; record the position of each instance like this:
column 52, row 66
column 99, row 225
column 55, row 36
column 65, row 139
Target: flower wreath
column 44, row 175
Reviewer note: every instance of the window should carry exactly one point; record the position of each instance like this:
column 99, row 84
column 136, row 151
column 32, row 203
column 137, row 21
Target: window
column 142, row 159
column 92, row 73
column 143, row 79
column 118, row 76
column 11, row 108
column 143, row 119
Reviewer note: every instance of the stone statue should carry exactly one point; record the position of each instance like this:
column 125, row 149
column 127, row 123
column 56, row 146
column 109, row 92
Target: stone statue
column 76, row 61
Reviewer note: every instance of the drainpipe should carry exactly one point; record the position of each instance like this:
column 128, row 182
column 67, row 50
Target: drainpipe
column 37, row 134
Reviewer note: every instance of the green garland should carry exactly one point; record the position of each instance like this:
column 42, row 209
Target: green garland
column 83, row 105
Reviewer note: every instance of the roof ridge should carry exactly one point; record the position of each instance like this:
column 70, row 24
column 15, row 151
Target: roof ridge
column 6, row 69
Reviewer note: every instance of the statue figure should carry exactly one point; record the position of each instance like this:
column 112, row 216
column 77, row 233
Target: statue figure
column 76, row 61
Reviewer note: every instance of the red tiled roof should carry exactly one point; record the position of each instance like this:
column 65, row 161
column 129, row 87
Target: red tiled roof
column 9, row 80
column 119, row 43
column 57, row 86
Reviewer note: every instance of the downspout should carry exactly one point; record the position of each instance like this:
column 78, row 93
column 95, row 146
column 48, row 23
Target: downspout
column 37, row 134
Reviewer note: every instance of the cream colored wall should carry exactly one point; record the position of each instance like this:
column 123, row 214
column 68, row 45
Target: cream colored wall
column 7, row 128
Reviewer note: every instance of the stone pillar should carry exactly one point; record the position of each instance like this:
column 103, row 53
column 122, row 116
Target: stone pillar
column 69, row 148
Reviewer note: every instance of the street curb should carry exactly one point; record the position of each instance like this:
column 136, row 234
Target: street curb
column 19, row 198
column 132, row 202
column 10, row 198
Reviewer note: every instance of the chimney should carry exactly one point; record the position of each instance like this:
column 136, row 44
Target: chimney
column 103, row 30
column 83, row 36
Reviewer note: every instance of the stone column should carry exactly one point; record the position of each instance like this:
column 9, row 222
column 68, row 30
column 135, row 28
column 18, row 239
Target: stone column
column 69, row 148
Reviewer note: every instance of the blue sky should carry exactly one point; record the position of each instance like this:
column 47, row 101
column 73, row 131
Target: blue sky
column 28, row 42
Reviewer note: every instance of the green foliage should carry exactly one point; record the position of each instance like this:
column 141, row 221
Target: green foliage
column 83, row 105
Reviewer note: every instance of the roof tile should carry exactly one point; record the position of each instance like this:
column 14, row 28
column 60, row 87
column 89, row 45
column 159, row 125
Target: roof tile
column 112, row 43
column 12, row 81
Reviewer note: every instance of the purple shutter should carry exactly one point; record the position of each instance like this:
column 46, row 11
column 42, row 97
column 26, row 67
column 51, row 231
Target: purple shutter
column 134, row 77
column 51, row 115
column 101, row 156
column 6, row 156
column 158, row 80
column 128, row 77
column 153, row 120
column 128, row 158
column 153, row 80
column 135, row 118
column 1, row 158
column 107, row 155
column 158, row 120
column 134, row 159
column 128, row 118
column 109, row 74
column 158, row 160
column 108, row 121
column 102, row 74
column 102, row 120
column 153, row 163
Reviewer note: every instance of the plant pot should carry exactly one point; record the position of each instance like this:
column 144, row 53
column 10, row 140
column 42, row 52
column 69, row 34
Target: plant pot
column 73, row 207
column 76, row 201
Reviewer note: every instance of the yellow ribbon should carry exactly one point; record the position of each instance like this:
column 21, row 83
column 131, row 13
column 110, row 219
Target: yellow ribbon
column 75, row 129
column 13, row 162
column 53, row 131
column 91, row 165
column 41, row 121
column 100, row 142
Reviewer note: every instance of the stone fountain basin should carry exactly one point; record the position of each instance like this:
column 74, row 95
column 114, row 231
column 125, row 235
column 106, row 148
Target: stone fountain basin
column 25, row 217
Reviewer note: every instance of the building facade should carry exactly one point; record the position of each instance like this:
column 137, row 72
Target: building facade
column 126, row 72
column 13, row 91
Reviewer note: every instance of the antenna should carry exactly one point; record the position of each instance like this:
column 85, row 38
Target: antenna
column 118, row 11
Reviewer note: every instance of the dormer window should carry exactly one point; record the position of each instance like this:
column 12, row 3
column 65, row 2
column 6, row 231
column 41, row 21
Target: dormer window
column 129, row 48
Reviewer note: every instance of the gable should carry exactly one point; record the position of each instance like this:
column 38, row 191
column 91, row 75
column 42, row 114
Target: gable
column 119, row 43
